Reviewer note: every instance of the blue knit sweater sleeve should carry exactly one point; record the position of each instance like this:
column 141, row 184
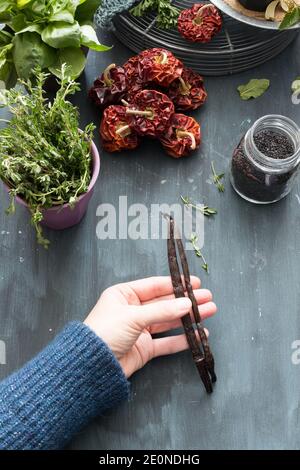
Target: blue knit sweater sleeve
column 74, row 379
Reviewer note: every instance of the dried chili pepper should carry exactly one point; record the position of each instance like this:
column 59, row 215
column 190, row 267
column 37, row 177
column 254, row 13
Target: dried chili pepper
column 115, row 130
column 159, row 66
column 182, row 136
column 199, row 23
column 110, row 88
column 201, row 353
column 134, row 79
column 187, row 92
column 150, row 113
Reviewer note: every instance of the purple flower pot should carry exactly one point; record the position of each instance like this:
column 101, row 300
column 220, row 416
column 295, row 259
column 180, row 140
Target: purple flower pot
column 61, row 217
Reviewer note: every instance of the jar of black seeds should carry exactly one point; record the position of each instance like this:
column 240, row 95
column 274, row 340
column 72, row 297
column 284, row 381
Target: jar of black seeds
column 265, row 164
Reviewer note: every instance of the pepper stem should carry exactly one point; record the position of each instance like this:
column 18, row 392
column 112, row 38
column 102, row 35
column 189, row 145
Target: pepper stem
column 198, row 17
column 137, row 112
column 123, row 130
column 185, row 88
column 182, row 134
column 162, row 58
column 106, row 76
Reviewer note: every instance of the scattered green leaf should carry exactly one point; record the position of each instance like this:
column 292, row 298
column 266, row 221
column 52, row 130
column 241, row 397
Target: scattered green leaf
column 254, row 88
column 205, row 210
column 194, row 241
column 217, row 178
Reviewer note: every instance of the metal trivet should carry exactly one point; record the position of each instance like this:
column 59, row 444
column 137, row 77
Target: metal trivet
column 236, row 48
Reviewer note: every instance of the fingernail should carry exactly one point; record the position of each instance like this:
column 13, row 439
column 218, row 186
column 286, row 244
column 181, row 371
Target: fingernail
column 183, row 304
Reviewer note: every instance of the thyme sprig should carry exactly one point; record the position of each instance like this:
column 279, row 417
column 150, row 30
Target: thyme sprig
column 44, row 159
column 205, row 210
column 194, row 242
column 217, row 178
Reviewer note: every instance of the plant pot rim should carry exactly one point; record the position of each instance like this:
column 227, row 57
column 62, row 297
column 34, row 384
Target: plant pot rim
column 95, row 174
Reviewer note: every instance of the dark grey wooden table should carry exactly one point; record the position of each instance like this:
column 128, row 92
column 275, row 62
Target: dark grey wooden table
column 253, row 253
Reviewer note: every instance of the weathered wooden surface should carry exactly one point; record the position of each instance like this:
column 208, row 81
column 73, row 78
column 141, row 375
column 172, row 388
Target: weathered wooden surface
column 253, row 253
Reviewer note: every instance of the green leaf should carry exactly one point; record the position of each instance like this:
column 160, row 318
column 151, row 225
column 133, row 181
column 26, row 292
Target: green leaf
column 32, row 28
column 5, row 6
column 74, row 59
column 86, row 10
column 254, row 88
column 5, row 38
column 29, row 52
column 63, row 15
column 22, row 3
column 8, row 75
column 5, row 9
column 89, row 39
column 18, row 22
column 290, row 19
column 62, row 34
column 39, row 7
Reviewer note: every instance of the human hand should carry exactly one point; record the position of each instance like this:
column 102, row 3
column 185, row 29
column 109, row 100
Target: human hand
column 127, row 315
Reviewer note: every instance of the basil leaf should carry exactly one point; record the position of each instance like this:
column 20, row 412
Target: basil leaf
column 32, row 28
column 5, row 9
column 73, row 57
column 29, row 52
column 18, row 22
column 254, row 88
column 5, row 38
column 290, row 19
column 5, row 6
column 86, row 10
column 62, row 34
column 39, row 7
column 63, row 15
column 8, row 75
column 22, row 3
column 89, row 39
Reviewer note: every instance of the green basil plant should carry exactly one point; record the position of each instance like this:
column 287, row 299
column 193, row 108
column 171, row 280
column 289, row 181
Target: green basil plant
column 45, row 34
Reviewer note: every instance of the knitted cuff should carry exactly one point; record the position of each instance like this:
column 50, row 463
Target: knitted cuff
column 74, row 379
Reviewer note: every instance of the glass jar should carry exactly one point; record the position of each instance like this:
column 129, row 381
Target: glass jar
column 265, row 163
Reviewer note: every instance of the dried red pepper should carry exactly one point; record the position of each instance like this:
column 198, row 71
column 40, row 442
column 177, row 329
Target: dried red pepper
column 159, row 66
column 200, row 23
column 150, row 113
column 134, row 79
column 182, row 136
column 110, row 87
column 115, row 130
column 187, row 92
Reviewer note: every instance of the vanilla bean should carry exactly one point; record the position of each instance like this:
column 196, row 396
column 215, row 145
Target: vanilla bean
column 198, row 356
column 209, row 359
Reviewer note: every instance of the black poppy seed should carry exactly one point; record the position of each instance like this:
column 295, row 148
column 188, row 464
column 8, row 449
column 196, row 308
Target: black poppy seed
column 274, row 144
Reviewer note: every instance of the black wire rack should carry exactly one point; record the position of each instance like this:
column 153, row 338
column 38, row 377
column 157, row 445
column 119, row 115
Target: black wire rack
column 236, row 48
